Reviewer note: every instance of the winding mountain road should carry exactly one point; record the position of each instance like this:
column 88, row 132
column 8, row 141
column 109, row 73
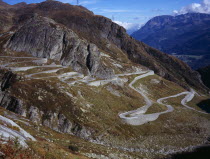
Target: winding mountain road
column 138, row 116
column 134, row 117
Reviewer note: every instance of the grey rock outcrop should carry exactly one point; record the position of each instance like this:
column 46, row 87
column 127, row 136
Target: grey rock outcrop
column 83, row 132
column 6, row 100
column 7, row 80
column 58, row 122
column 34, row 115
column 54, row 120
column 43, row 37
column 64, row 125
column 11, row 103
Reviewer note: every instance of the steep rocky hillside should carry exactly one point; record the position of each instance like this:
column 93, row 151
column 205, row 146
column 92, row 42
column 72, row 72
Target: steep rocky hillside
column 109, row 37
column 186, row 35
column 133, row 115
column 42, row 37
column 87, row 91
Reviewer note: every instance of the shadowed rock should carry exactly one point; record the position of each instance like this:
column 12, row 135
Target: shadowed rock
column 43, row 37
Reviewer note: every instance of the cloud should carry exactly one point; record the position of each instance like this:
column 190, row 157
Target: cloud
column 130, row 27
column 203, row 7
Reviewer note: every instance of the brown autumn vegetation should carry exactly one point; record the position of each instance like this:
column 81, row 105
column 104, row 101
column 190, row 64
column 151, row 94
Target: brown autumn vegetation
column 12, row 150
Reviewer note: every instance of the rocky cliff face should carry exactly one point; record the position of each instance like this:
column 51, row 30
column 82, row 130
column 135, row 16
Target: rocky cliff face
column 43, row 37
column 52, row 119
column 8, row 101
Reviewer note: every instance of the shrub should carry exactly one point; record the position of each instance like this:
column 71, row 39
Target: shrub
column 13, row 150
column 73, row 148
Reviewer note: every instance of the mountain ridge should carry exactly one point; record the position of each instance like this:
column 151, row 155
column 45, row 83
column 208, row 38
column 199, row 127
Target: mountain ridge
column 103, row 32
column 186, row 34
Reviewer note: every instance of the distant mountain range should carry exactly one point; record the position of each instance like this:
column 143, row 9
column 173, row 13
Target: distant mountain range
column 185, row 36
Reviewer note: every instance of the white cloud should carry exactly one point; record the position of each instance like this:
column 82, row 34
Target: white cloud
column 130, row 27
column 203, row 7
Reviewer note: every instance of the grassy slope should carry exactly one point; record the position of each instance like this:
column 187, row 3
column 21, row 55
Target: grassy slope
column 104, row 109
column 98, row 108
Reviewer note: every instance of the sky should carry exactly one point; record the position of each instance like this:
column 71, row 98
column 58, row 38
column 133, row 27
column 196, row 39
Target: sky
column 134, row 13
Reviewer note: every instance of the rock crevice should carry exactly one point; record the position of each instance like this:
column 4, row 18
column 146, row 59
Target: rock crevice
column 43, row 37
